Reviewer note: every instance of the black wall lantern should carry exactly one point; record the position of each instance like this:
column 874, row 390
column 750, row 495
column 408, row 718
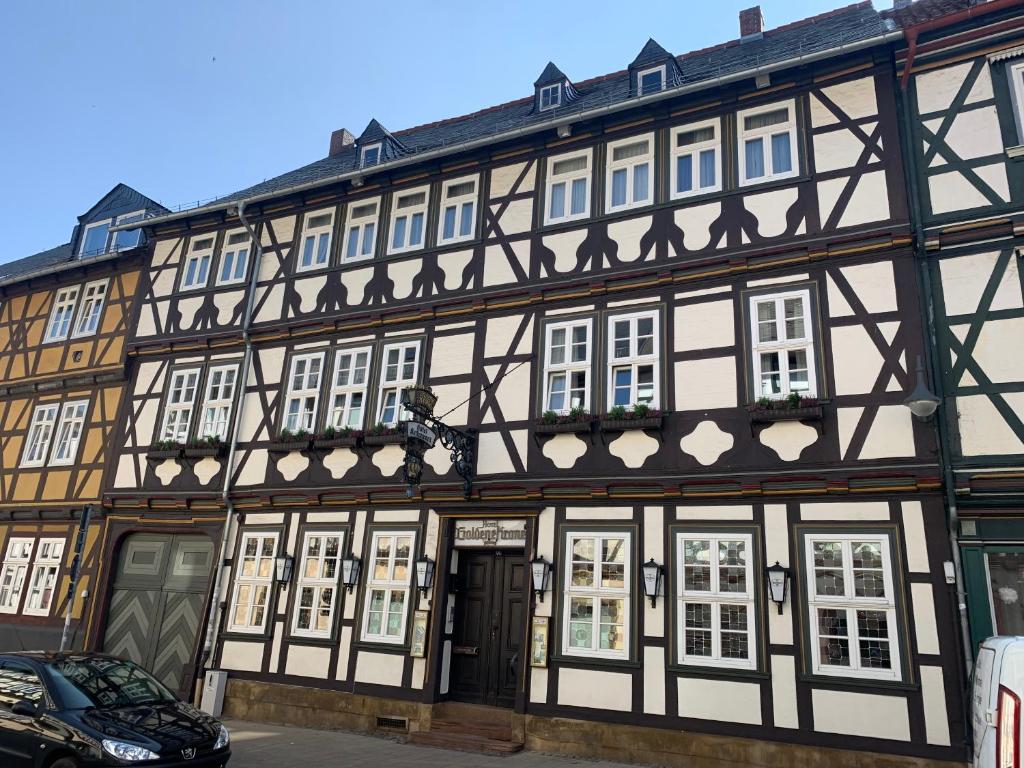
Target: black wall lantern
column 922, row 402
column 778, row 583
column 540, row 570
column 652, row 580
column 350, row 567
column 424, row 575
column 283, row 567
column 423, row 429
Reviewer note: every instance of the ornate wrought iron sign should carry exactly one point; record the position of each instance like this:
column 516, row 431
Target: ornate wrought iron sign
column 423, row 430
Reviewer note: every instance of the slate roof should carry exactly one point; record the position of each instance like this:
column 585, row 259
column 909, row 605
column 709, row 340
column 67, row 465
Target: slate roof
column 925, row 10
column 36, row 262
column 651, row 53
column 551, row 74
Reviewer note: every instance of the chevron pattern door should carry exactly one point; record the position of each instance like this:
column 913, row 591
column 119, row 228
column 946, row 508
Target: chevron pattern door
column 157, row 605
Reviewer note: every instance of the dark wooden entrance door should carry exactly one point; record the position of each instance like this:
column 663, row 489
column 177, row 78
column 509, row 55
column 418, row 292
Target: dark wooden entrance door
column 490, row 608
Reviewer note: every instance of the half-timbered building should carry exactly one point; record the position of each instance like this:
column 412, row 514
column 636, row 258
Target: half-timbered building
column 679, row 306
column 64, row 316
column 963, row 76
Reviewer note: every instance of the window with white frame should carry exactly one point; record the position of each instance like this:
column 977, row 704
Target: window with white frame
column 234, row 258
column 348, row 388
column 40, row 431
column 399, row 371
column 217, row 404
column 253, row 581
column 1016, row 75
column 360, row 232
column 650, row 80
column 458, row 210
column 44, row 577
column 629, row 172
column 128, row 238
column 388, row 585
column 91, row 308
column 767, row 143
column 597, row 595
column 317, row 584
column 369, row 155
column 62, row 313
column 315, row 243
column 69, row 432
column 567, row 365
column 852, row 606
column 14, row 573
column 633, row 360
column 568, row 187
column 95, row 238
column 715, row 600
column 696, row 166
column 303, row 392
column 196, row 270
column 181, row 398
column 550, row 96
column 408, row 220
column 782, row 345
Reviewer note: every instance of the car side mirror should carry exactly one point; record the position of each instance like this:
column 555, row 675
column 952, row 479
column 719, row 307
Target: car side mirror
column 26, row 708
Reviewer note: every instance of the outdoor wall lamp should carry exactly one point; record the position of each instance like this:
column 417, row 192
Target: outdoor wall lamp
column 283, row 567
column 350, row 567
column 921, row 402
column 540, row 570
column 652, row 580
column 778, row 582
column 424, row 575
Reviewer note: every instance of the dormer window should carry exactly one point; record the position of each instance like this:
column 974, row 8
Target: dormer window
column 369, row 155
column 550, row 96
column 128, row 238
column 94, row 241
column 650, row 80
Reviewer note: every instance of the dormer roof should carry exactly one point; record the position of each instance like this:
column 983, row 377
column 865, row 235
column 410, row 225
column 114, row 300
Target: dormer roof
column 651, row 54
column 551, row 74
column 375, row 133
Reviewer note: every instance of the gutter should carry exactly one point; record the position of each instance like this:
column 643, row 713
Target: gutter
column 402, row 162
column 63, row 266
column 216, row 599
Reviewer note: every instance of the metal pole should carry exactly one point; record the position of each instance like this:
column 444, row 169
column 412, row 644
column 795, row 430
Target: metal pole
column 83, row 526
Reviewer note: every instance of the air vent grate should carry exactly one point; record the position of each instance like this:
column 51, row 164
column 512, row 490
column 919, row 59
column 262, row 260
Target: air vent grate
column 393, row 723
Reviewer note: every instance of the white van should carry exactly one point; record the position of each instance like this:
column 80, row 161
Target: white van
column 996, row 697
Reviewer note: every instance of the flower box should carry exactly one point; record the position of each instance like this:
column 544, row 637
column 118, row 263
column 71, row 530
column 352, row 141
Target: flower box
column 163, row 453
column 799, row 413
column 330, row 443
column 558, row 427
column 392, row 438
column 202, row 451
column 621, row 425
column 287, row 446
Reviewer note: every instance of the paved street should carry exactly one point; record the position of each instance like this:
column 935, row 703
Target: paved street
column 255, row 745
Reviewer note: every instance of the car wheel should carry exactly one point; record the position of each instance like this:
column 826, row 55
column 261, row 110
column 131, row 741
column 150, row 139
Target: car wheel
column 65, row 762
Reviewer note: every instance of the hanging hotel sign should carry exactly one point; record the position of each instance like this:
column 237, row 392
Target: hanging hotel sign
column 414, row 430
column 490, row 533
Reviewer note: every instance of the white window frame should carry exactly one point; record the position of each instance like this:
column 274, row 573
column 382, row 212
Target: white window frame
column 238, row 252
column 568, row 367
column 409, row 212
column 597, row 593
column 851, row 604
column 85, row 237
column 1016, row 73
column 388, row 585
column 218, row 405
column 458, row 203
column 364, row 151
column 200, row 249
column 17, row 559
column 766, row 134
column 355, row 227
column 661, row 69
column 317, row 583
column 315, row 233
column 398, row 384
column 172, row 408
column 716, row 598
column 70, row 428
column 783, row 345
column 65, row 301
column 553, row 101
column 90, row 309
column 352, row 388
column 695, row 151
column 567, row 178
column 304, row 393
column 254, row 582
column 45, row 570
column 629, row 165
column 44, row 422
column 123, row 219
column 634, row 360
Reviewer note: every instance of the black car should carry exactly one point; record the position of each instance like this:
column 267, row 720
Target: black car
column 72, row 710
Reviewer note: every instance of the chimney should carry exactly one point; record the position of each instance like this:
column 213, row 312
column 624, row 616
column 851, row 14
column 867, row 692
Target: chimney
column 340, row 139
column 751, row 23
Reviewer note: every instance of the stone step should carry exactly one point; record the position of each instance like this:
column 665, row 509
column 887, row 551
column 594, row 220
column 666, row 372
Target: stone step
column 500, row 732
column 464, row 742
column 458, row 712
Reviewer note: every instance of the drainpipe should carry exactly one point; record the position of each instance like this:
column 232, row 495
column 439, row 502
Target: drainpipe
column 216, row 601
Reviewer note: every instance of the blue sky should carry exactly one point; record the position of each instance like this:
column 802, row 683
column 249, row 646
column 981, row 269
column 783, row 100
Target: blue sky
column 191, row 99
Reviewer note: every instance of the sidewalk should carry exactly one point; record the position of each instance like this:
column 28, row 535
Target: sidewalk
column 256, row 745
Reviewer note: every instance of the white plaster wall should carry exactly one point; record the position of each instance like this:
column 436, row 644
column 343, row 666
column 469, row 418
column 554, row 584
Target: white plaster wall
column 913, row 533
column 704, row 326
column 845, row 510
column 452, row 355
column 242, row 656
column 705, row 384
column 379, row 668
column 933, row 692
column 784, row 708
column 308, row 661
column 653, row 547
column 594, row 689
column 854, row 714
column 983, row 430
column 923, row 601
column 503, row 177
column 654, row 680
column 722, row 700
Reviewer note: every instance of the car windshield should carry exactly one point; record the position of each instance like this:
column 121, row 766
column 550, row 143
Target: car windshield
column 105, row 683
